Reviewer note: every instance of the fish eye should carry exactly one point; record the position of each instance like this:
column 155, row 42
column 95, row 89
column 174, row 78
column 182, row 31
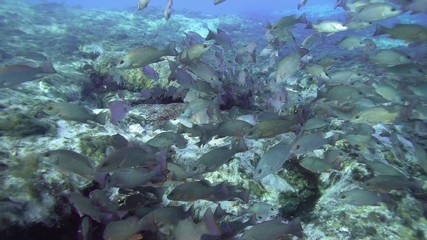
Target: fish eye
column 343, row 196
column 420, row 70
column 46, row 154
column 357, row 117
column 194, row 168
column 49, row 108
column 359, row 74
column 408, row 57
column 205, row 46
column 122, row 61
column 393, row 9
column 259, row 217
column 297, row 147
column 259, row 171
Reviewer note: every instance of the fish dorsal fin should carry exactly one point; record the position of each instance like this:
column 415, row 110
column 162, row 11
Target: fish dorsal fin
column 205, row 183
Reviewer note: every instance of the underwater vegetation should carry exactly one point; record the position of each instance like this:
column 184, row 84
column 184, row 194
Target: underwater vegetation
column 167, row 124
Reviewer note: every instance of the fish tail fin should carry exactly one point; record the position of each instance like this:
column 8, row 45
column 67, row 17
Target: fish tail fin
column 296, row 225
column 100, row 117
column 211, row 35
column 100, row 178
column 309, row 25
column 158, row 191
column 252, row 220
column 219, row 30
column 407, row 109
column 161, row 158
column 303, row 51
column 219, row 212
column 244, row 195
column 302, row 18
column 239, row 145
column 47, row 67
column 171, row 50
column 209, row 221
column 222, row 188
column 268, row 25
column 380, row 30
column 182, row 129
column 342, row 4
column 173, row 66
column 159, row 172
column 190, row 211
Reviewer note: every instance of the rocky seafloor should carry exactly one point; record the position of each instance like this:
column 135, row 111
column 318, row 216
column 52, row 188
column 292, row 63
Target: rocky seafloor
column 84, row 46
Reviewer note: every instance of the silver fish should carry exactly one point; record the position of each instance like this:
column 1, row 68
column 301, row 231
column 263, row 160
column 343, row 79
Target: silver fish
column 361, row 197
column 289, row 65
column 310, row 142
column 273, row 159
column 193, row 52
column 417, row 6
column 13, row 75
column 301, row 4
column 84, row 206
column 130, row 178
column 315, row 165
column 142, row 4
column 192, row 191
column 317, row 71
column 274, row 229
column 221, row 37
column 167, row 139
column 407, row 32
column 143, row 56
column 204, row 71
column 287, row 22
column 72, row 162
column 351, row 42
column 311, row 40
column 127, row 228
column 179, row 173
column 164, row 219
column 329, row 26
column 214, row 159
column 207, row 228
column 234, row 128
column 262, row 210
column 168, row 9
column 216, row 2
column 388, row 183
column 126, row 157
column 272, row 127
column 375, row 12
column 390, row 57
column 74, row 112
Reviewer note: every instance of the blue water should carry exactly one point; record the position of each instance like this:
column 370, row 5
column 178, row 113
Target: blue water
column 205, row 6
